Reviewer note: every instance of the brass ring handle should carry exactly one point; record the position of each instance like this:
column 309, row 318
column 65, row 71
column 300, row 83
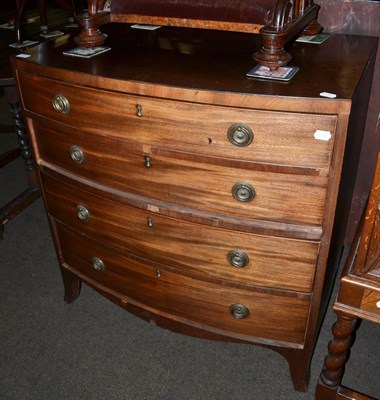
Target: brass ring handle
column 243, row 192
column 61, row 104
column 98, row 264
column 76, row 154
column 240, row 135
column 239, row 311
column 83, row 213
column 237, row 258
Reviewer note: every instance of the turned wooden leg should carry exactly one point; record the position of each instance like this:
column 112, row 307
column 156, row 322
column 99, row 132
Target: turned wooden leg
column 337, row 357
column 18, row 20
column 71, row 284
column 28, row 196
column 73, row 10
column 23, row 142
column 43, row 17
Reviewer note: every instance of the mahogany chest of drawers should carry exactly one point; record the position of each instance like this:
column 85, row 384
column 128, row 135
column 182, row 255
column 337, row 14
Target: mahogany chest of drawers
column 194, row 197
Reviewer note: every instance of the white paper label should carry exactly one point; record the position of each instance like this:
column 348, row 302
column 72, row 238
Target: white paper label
column 378, row 304
column 146, row 27
column 322, row 135
column 328, row 95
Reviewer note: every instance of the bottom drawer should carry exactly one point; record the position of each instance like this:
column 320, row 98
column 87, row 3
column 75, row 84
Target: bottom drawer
column 206, row 304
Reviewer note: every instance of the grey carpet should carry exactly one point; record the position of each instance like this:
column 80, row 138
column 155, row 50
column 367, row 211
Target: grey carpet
column 94, row 350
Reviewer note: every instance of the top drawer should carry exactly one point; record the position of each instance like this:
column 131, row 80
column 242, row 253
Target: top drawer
column 277, row 137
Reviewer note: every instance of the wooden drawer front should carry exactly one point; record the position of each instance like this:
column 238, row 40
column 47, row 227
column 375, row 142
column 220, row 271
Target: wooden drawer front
column 287, row 198
column 270, row 316
column 281, row 138
column 272, row 262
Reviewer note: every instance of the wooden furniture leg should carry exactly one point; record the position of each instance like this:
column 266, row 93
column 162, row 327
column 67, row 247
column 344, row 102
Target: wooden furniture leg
column 299, row 366
column 10, row 92
column 43, row 17
column 18, row 20
column 20, row 16
column 26, row 151
column 338, row 349
column 28, row 196
column 74, row 17
column 72, row 286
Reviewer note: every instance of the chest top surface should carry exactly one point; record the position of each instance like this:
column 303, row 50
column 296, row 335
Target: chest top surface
column 205, row 60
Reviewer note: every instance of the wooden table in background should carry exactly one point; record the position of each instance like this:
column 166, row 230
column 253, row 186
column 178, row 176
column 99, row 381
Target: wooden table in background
column 358, row 298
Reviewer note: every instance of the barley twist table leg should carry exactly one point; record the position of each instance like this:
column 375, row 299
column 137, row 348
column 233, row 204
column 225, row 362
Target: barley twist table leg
column 337, row 357
column 26, row 151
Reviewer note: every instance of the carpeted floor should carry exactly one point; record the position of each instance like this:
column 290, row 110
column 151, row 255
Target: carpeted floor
column 94, row 350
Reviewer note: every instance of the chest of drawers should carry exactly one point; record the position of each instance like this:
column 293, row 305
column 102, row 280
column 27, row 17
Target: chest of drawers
column 194, row 197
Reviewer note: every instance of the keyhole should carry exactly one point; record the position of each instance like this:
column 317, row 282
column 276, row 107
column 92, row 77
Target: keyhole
column 148, row 161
